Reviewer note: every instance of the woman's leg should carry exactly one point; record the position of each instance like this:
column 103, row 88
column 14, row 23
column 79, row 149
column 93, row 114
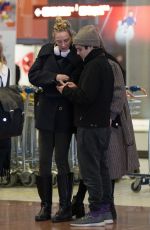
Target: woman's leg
column 44, row 180
column 46, row 146
column 62, row 144
column 5, row 151
column 64, row 177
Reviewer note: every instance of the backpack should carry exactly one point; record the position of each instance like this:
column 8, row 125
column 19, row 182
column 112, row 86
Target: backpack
column 11, row 110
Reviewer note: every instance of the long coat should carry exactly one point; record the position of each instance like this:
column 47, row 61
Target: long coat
column 5, row 144
column 53, row 111
column 122, row 153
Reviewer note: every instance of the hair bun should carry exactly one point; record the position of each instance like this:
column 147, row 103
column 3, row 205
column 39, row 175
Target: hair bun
column 61, row 24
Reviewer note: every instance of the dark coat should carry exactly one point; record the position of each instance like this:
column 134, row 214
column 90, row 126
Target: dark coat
column 5, row 144
column 93, row 95
column 53, row 111
column 122, row 153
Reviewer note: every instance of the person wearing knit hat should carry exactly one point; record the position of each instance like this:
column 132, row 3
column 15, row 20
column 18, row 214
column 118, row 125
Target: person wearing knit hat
column 92, row 98
column 88, row 36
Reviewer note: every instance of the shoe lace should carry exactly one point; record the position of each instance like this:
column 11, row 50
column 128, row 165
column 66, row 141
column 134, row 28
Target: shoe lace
column 86, row 216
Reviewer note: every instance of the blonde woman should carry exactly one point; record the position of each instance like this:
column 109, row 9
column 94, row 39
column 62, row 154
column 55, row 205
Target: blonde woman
column 55, row 63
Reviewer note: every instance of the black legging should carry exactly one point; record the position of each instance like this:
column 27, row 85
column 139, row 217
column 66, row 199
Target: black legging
column 50, row 142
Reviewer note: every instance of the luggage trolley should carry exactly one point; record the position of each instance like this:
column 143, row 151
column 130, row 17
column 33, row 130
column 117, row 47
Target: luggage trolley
column 24, row 157
column 29, row 142
column 135, row 94
column 73, row 159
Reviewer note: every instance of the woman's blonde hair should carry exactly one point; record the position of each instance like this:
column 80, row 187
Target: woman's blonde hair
column 2, row 57
column 62, row 25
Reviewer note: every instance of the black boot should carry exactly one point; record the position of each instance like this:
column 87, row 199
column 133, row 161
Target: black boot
column 44, row 186
column 113, row 211
column 77, row 208
column 112, row 205
column 77, row 202
column 65, row 184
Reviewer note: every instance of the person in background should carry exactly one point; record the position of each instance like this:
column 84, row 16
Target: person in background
column 122, row 154
column 129, row 20
column 92, row 98
column 5, row 144
column 17, row 74
column 55, row 63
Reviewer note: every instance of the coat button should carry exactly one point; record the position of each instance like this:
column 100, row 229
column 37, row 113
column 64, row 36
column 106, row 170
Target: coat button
column 60, row 108
column 80, row 118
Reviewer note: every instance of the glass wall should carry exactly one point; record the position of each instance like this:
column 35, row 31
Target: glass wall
column 138, row 52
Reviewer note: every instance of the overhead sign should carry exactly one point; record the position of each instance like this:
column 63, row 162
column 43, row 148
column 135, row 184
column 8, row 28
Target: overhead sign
column 70, row 11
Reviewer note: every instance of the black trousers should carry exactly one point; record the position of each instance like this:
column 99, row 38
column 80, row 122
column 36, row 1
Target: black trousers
column 92, row 145
column 53, row 142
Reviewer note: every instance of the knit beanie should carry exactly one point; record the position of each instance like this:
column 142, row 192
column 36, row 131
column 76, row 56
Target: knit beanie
column 88, row 36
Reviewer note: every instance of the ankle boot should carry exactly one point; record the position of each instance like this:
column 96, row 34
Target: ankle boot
column 44, row 213
column 44, row 186
column 113, row 211
column 112, row 205
column 65, row 184
column 77, row 208
column 77, row 201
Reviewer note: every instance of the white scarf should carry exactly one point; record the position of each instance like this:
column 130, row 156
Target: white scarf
column 57, row 52
column 4, row 75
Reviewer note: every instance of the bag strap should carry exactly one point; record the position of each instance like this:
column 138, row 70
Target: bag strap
column 8, row 78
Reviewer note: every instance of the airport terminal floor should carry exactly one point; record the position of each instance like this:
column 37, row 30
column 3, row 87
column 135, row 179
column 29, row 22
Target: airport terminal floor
column 18, row 206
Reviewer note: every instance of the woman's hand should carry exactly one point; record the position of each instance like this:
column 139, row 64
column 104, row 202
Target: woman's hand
column 68, row 84
column 60, row 87
column 71, row 84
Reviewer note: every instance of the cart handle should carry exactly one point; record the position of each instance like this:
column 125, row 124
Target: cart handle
column 130, row 92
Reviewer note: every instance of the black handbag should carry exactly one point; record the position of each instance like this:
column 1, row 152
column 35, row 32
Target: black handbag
column 11, row 112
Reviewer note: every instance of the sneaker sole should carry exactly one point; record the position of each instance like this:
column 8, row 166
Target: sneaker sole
column 108, row 221
column 88, row 225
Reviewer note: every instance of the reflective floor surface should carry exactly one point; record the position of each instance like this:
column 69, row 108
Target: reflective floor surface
column 18, row 206
column 19, row 215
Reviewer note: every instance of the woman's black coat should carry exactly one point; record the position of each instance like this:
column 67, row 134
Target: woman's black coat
column 53, row 111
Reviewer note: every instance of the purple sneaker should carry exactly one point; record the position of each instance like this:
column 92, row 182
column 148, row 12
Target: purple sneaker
column 106, row 212
column 90, row 220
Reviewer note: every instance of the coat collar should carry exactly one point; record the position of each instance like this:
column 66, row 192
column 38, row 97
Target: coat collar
column 48, row 49
column 94, row 53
